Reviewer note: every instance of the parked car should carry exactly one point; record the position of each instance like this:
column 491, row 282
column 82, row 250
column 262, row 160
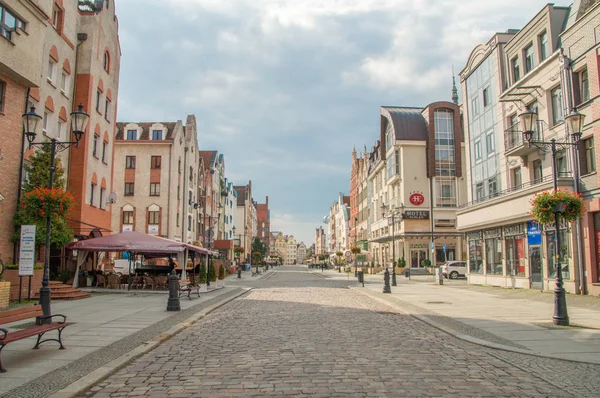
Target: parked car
column 454, row 269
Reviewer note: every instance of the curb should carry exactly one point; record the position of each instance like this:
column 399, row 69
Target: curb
column 88, row 381
column 462, row 336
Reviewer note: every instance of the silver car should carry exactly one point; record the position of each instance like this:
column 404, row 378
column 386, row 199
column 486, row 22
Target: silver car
column 454, row 269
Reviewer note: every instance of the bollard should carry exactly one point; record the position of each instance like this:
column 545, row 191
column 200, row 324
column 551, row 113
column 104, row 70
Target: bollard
column 440, row 276
column 173, row 303
column 239, row 273
column 407, row 273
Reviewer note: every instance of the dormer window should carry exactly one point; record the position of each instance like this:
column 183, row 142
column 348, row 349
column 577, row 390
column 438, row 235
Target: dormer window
column 157, row 135
column 131, row 135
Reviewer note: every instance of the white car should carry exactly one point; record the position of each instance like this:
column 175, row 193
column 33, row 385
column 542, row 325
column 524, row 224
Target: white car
column 454, row 269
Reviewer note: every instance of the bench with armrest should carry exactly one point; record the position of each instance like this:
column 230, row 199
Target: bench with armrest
column 43, row 325
column 186, row 287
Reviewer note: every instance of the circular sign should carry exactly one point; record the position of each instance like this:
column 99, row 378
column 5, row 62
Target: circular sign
column 417, row 199
column 348, row 254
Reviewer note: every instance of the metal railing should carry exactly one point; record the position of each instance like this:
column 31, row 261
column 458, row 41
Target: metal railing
column 510, row 190
column 513, row 136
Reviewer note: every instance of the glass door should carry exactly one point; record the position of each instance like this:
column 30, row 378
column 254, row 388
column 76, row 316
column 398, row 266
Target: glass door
column 416, row 257
column 535, row 267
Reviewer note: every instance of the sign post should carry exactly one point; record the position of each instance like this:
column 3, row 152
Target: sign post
column 26, row 256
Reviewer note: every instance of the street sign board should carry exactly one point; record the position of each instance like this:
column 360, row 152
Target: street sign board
column 27, row 251
column 444, row 248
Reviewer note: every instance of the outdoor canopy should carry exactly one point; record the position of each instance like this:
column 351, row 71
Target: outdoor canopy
column 134, row 242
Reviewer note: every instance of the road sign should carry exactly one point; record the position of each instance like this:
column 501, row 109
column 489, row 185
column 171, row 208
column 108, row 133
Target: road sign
column 444, row 248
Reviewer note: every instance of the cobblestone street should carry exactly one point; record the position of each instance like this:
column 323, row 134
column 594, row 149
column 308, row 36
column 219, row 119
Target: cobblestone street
column 297, row 334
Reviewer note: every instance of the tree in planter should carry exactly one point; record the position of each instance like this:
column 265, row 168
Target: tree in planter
column 38, row 171
column 256, row 259
column 222, row 272
column 212, row 273
column 401, row 262
column 202, row 274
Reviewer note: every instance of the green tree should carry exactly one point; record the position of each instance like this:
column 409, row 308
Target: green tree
column 38, row 170
column 221, row 272
column 258, row 246
column 202, row 274
column 212, row 273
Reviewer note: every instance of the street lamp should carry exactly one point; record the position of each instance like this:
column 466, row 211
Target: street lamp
column 386, row 275
column 31, row 126
column 394, row 213
column 355, row 265
column 575, row 122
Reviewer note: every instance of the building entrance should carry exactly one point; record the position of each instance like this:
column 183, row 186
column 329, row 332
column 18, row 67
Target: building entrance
column 416, row 257
column 535, row 266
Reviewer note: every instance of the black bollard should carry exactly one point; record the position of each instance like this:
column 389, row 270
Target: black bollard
column 173, row 303
column 386, row 281
column 239, row 273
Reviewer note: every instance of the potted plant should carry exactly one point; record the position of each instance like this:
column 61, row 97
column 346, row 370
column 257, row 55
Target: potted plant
column 212, row 274
column 568, row 205
column 221, row 276
column 427, row 264
column 401, row 264
column 202, row 278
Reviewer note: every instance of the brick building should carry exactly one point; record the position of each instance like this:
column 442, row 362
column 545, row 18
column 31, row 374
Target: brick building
column 263, row 217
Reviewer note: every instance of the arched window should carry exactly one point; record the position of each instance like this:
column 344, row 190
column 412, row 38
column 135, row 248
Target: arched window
column 106, row 61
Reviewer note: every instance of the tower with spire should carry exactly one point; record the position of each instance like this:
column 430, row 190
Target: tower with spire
column 454, row 90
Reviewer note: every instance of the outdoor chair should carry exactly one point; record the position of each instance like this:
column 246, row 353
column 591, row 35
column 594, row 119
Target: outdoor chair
column 100, row 280
column 113, row 281
column 124, row 280
column 161, row 282
column 137, row 282
column 148, row 281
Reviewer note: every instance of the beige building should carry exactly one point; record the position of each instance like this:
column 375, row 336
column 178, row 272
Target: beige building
column 301, row 253
column 291, row 250
column 514, row 72
column 422, row 199
column 156, row 179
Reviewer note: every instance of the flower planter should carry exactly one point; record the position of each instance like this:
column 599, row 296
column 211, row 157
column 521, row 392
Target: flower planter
column 4, row 294
column 567, row 205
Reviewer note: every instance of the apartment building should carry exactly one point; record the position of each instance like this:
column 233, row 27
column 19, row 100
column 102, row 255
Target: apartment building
column 359, row 203
column 581, row 69
column 245, row 217
column 263, row 216
column 338, row 221
column 156, row 179
column 291, row 250
column 320, row 241
column 514, row 72
column 422, row 199
column 55, row 56
column 301, row 253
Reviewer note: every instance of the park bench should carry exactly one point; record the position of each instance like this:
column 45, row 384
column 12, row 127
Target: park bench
column 255, row 273
column 186, row 287
column 43, row 325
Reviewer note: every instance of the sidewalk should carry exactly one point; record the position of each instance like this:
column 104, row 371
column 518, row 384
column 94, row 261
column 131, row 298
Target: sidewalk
column 509, row 319
column 107, row 331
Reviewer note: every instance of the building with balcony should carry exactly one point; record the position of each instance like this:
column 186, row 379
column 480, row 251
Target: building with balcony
column 513, row 72
column 359, row 203
column 581, row 68
column 416, row 173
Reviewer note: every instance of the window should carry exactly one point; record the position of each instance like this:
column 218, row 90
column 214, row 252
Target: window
column 102, row 195
column 177, row 219
column 189, row 198
column 477, row 150
column 92, row 193
column 129, row 189
column 153, row 217
column 128, row 217
column 557, row 105
column 104, row 146
column 178, row 192
column 529, row 59
column 155, row 189
column 479, row 193
column 45, row 122
column 537, row 171
column 95, row 146
column 107, row 110
column 493, row 258
column 64, row 82
column 189, row 223
column 155, row 162
column 157, row 135
column 445, row 164
column 51, row 71
column 446, row 192
column 584, row 85
column 489, row 142
column 99, row 101
column 517, row 181
column 515, row 69
column 475, row 257
column 61, row 129
column 561, row 164
column 493, row 187
column 515, row 252
column 130, row 162
column 56, row 16
column 106, row 61
column 2, row 91
column 9, row 22
column 179, row 166
column 487, row 99
column 543, row 46
column 475, row 106
column 565, row 252
column 590, row 156
column 131, row 135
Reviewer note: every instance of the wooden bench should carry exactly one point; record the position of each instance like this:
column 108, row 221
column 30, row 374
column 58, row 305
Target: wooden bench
column 186, row 287
column 43, row 324
column 255, row 273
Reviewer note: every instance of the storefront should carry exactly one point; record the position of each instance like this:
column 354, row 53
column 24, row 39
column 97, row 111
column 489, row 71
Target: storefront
column 514, row 256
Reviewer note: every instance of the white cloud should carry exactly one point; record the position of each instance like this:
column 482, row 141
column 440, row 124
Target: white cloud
column 302, row 228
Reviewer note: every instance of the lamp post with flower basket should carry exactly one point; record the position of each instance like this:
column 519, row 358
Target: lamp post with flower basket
column 551, row 207
column 52, row 202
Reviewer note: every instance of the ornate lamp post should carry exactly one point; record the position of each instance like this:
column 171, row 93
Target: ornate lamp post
column 31, row 126
column 386, row 275
column 575, row 122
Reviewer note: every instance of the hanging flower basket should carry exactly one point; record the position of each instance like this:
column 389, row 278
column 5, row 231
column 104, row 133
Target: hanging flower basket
column 42, row 202
column 568, row 205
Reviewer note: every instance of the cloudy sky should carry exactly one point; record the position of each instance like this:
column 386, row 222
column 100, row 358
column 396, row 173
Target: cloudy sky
column 285, row 88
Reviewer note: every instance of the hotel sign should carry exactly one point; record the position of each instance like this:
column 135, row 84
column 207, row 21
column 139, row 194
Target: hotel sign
column 416, row 215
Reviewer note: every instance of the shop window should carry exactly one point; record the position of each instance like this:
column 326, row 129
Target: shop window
column 475, row 257
column 515, row 255
column 493, row 256
column 565, row 253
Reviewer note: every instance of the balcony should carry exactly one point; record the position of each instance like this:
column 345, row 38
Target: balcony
column 513, row 140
